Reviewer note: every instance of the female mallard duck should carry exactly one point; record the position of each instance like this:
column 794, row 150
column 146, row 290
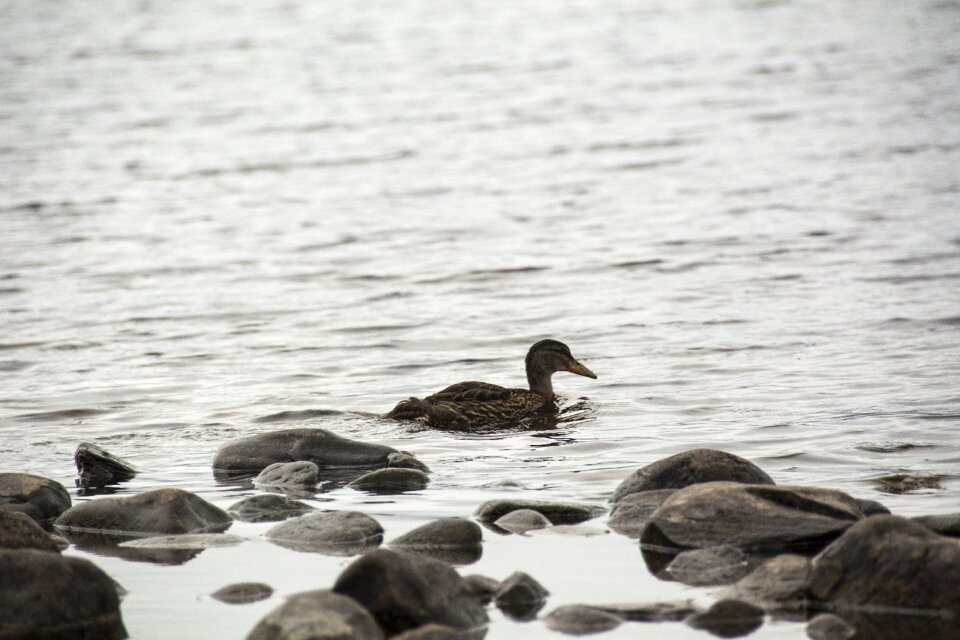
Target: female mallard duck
column 470, row 404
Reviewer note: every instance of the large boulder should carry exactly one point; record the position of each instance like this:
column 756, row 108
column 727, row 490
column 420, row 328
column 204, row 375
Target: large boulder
column 317, row 614
column 691, row 467
column 555, row 512
column 324, row 449
column 338, row 533
column 162, row 511
column 99, row 468
column 404, row 591
column 890, row 564
column 756, row 518
column 19, row 531
column 46, row 595
column 40, row 498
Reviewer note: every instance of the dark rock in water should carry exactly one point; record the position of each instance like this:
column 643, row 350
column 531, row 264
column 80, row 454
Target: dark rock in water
column 691, row 467
column 337, row 533
column 555, row 512
column 827, row 626
column 184, row 541
column 520, row 597
column 629, row 515
column 947, row 524
column 871, row 507
column 728, row 619
column 907, row 483
column 162, row 511
column 405, row 591
column 483, row 587
column 777, row 585
column 522, row 520
column 391, row 480
column 40, row 498
column 267, row 508
column 99, row 468
column 404, row 460
column 651, row 612
column 709, row 566
column 317, row 614
column 324, row 449
column 581, row 620
column 46, row 595
column 289, row 474
column 756, row 518
column 19, row 531
column 889, row 564
column 243, row 593
column 438, row 632
column 452, row 540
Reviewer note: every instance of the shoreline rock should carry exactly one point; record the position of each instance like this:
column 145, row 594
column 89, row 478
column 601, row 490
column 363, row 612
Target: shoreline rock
column 40, row 498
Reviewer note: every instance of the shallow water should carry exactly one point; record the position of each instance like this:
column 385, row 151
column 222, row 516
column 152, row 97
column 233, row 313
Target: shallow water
column 742, row 215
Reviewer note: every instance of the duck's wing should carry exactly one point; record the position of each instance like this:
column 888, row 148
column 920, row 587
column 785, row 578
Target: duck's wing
column 471, row 392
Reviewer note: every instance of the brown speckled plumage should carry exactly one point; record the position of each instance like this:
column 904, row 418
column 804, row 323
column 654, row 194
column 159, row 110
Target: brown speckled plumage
column 470, row 404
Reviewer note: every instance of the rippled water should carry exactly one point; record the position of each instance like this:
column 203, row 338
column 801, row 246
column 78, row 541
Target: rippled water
column 742, row 215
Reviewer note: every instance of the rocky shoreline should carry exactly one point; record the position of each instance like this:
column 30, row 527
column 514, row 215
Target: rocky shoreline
column 845, row 566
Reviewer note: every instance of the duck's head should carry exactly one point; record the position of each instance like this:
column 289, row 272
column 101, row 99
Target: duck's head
column 547, row 357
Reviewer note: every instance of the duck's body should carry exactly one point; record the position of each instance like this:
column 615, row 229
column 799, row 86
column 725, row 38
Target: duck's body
column 470, row 404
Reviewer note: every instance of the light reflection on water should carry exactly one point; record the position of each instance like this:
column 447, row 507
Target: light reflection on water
column 742, row 216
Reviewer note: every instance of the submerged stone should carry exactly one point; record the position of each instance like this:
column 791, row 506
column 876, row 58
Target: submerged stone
column 317, row 614
column 39, row 498
column 581, row 620
column 339, row 533
column 289, row 474
column 522, row 520
column 267, row 507
column 651, row 612
column 404, row 460
column 391, row 480
column 184, row 541
column 728, row 619
column 709, row 566
column 555, row 512
column 827, row 626
column 243, row 593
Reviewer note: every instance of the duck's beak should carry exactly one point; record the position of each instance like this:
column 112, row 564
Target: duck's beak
column 580, row 370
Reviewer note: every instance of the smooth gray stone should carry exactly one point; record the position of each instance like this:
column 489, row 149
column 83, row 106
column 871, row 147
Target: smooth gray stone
column 404, row 591
column 319, row 446
column 691, row 467
column 185, row 541
column 289, row 474
column 20, row 531
column 709, row 566
column 315, row 615
column 728, row 619
column 520, row 597
column 946, row 524
column 404, row 460
column 522, row 520
column 483, row 587
column 555, row 512
column 40, row 498
column 340, row 533
column 243, row 593
column 777, row 585
column 391, row 480
column 651, row 611
column 828, row 626
column 162, row 511
column 452, row 540
column 98, row 467
column 871, row 507
column 581, row 620
column 756, row 518
column 47, row 595
column 629, row 515
column 268, row 507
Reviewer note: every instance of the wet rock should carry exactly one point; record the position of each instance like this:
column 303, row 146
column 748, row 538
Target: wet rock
column 317, row 614
column 318, row 446
column 555, row 512
column 289, row 474
column 404, row 460
column 889, row 563
column 391, row 480
column 338, row 533
column 827, row 626
column 520, row 597
column 404, row 591
column 728, row 619
column 162, row 511
column 581, row 620
column 629, row 515
column 184, row 541
column 947, row 524
column 19, row 531
column 243, row 593
column 47, row 595
column 691, row 467
column 777, row 585
column 871, row 507
column 40, row 498
column 437, row 632
column 756, row 518
column 709, row 566
column 483, row 587
column 651, row 612
column 99, row 468
column 907, row 483
column 452, row 540
column 522, row 520
column 267, row 508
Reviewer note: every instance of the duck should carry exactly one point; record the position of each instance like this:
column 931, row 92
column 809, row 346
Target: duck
column 473, row 404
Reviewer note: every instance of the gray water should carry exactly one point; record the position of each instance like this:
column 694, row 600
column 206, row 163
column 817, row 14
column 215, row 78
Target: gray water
column 742, row 215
